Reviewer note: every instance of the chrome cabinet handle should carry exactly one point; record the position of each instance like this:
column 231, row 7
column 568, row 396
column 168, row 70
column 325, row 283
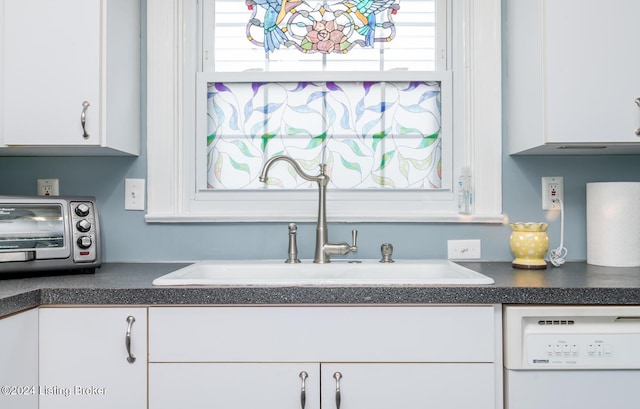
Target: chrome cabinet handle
column 127, row 339
column 638, row 104
column 83, row 119
column 337, row 376
column 303, row 390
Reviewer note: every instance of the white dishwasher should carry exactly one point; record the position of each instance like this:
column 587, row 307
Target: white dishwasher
column 569, row 357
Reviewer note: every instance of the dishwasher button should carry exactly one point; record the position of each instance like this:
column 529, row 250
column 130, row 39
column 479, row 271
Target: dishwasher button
column 608, row 350
column 599, row 350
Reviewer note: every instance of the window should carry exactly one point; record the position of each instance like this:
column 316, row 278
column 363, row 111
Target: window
column 181, row 191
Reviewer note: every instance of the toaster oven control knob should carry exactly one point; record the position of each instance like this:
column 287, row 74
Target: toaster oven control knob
column 84, row 242
column 82, row 210
column 83, row 225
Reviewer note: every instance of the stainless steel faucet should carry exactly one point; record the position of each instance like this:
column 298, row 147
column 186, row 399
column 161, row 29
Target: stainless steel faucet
column 324, row 249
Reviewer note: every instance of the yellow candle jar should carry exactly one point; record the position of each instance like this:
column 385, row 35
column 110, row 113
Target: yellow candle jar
column 529, row 243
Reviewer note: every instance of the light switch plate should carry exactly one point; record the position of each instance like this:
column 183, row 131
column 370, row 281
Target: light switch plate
column 134, row 194
column 463, row 249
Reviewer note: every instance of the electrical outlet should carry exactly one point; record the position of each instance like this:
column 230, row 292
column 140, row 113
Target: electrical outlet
column 552, row 192
column 48, row 187
column 463, row 249
column 134, row 194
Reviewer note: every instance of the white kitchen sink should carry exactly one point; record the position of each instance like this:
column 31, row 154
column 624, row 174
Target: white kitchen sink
column 336, row 273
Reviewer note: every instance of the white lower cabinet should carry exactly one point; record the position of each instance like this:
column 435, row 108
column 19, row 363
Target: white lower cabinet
column 336, row 385
column 19, row 361
column 353, row 357
column 408, row 386
column 233, row 385
column 87, row 358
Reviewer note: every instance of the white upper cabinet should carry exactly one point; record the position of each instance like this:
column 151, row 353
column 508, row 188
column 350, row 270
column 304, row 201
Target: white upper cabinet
column 572, row 77
column 70, row 77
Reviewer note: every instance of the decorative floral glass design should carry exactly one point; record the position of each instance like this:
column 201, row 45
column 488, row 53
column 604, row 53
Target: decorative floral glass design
column 313, row 26
column 330, row 36
column 370, row 134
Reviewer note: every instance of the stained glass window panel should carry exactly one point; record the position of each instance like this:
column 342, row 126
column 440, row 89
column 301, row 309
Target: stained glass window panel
column 405, row 36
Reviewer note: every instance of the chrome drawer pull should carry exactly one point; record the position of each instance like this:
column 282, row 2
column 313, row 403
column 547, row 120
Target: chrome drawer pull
column 127, row 339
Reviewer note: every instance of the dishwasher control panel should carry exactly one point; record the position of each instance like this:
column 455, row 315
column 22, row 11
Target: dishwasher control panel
column 586, row 350
column 571, row 337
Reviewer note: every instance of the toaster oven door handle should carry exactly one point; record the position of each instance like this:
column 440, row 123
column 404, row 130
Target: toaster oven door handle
column 17, row 256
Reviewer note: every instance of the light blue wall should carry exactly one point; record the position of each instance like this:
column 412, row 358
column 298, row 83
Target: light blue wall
column 128, row 238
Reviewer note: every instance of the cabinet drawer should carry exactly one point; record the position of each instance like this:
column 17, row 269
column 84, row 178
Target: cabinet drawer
column 320, row 333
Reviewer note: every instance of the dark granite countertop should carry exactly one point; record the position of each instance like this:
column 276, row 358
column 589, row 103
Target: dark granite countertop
column 130, row 283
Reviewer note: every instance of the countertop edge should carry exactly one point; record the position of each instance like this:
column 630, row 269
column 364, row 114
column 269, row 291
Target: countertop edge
column 19, row 302
column 131, row 284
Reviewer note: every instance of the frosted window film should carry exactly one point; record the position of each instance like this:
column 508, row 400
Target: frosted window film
column 372, row 135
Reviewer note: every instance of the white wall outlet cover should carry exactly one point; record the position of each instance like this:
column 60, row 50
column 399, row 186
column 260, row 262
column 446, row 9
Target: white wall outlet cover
column 48, row 187
column 463, row 249
column 552, row 192
column 134, row 194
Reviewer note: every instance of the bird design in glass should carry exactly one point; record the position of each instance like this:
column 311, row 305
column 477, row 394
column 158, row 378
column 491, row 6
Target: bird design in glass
column 366, row 11
column 276, row 10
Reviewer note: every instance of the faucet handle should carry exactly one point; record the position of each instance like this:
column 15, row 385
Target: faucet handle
column 354, row 241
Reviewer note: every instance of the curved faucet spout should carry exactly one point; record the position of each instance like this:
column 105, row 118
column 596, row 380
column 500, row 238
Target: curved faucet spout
column 324, row 249
column 296, row 166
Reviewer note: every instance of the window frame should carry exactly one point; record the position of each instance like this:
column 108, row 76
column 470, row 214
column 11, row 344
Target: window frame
column 172, row 195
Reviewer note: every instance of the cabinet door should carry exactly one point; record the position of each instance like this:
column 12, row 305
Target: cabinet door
column 84, row 358
column 234, row 386
column 51, row 65
column 19, row 361
column 408, row 386
column 592, row 78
